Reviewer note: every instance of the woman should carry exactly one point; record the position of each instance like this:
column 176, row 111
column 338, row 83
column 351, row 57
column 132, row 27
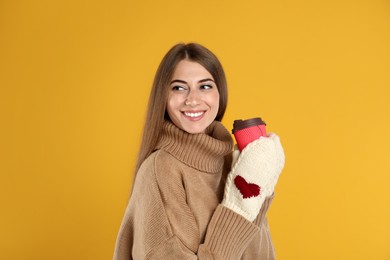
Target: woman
column 185, row 202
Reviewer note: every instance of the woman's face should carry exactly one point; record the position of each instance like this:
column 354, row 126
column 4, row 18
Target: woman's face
column 193, row 97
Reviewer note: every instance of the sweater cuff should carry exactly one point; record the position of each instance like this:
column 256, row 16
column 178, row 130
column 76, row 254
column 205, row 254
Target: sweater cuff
column 264, row 209
column 229, row 234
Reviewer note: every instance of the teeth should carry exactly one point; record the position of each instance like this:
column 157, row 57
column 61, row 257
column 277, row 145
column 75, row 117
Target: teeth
column 193, row 114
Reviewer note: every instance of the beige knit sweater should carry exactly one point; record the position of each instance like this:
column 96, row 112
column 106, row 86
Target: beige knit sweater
column 175, row 211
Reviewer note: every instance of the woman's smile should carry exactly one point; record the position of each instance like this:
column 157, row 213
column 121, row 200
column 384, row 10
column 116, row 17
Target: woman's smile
column 194, row 115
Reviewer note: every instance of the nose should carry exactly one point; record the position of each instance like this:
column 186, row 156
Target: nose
column 193, row 99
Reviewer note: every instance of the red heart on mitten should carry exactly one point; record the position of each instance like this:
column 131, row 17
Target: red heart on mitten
column 247, row 189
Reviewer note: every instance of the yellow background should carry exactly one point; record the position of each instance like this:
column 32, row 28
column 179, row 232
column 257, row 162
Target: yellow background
column 75, row 78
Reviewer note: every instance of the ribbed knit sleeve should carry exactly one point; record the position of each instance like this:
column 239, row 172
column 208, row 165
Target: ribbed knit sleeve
column 228, row 234
column 261, row 246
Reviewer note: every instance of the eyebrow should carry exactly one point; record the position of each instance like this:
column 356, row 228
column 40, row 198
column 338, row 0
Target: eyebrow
column 184, row 82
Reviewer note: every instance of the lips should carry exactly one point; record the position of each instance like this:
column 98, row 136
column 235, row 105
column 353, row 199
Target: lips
column 196, row 114
column 193, row 115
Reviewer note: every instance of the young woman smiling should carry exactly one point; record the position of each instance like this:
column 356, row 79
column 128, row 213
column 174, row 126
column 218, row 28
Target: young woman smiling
column 184, row 203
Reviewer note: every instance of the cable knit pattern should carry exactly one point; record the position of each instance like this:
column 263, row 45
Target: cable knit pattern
column 175, row 212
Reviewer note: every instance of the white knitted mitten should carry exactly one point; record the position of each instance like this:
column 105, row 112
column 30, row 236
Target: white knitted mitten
column 253, row 176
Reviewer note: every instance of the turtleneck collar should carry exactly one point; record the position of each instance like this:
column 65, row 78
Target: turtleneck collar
column 204, row 151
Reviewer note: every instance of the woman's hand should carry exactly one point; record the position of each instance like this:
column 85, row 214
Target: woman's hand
column 254, row 175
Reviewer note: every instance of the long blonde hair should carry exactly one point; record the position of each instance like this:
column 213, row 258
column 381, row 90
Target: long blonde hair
column 156, row 112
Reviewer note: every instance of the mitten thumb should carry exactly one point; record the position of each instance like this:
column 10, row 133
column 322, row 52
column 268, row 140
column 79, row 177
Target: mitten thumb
column 235, row 155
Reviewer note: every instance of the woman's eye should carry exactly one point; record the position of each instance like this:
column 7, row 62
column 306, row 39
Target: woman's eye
column 206, row 87
column 177, row 88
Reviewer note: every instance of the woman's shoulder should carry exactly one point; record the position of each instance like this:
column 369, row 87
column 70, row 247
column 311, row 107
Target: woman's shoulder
column 159, row 170
column 159, row 162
